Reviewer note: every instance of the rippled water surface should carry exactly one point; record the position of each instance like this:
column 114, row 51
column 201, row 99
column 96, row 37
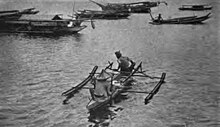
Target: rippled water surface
column 35, row 70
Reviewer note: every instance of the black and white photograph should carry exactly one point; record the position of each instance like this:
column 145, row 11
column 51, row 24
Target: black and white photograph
column 109, row 63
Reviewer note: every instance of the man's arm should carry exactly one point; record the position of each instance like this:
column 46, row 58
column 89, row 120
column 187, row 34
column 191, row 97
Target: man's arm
column 132, row 62
column 118, row 67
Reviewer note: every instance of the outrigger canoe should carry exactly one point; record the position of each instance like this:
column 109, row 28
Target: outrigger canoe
column 94, row 104
column 120, row 83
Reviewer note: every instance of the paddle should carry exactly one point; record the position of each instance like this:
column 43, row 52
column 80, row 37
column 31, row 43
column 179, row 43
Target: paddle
column 151, row 16
column 132, row 73
column 109, row 66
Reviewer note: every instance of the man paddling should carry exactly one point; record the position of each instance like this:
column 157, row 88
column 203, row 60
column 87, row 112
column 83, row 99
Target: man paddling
column 125, row 64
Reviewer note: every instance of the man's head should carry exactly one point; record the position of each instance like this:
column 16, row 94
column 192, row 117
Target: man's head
column 118, row 54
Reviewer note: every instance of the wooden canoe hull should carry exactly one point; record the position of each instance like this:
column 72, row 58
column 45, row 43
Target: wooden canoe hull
column 182, row 20
column 196, row 7
column 94, row 104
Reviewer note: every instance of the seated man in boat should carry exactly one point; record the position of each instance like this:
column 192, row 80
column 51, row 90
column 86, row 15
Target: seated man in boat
column 125, row 65
column 102, row 88
column 159, row 18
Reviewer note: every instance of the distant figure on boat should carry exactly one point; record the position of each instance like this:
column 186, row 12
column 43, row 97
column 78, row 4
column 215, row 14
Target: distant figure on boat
column 159, row 18
column 125, row 65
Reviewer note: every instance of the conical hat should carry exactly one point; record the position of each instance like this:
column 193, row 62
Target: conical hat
column 102, row 76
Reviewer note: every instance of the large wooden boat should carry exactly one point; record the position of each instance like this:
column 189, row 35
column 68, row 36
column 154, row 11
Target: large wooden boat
column 181, row 20
column 41, row 24
column 109, row 14
column 135, row 7
column 196, row 7
column 16, row 14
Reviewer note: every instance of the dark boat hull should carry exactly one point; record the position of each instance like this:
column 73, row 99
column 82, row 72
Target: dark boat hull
column 39, row 27
column 139, row 10
column 104, row 15
column 196, row 7
column 135, row 7
column 94, row 104
column 183, row 20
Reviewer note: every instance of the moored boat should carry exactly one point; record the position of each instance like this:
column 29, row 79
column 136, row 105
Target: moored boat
column 109, row 83
column 196, row 7
column 96, row 103
column 181, row 20
column 135, row 7
column 16, row 14
column 102, row 14
column 41, row 24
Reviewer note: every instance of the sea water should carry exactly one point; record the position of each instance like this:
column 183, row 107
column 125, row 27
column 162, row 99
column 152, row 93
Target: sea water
column 35, row 70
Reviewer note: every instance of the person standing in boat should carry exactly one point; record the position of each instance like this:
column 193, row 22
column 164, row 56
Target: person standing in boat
column 125, row 64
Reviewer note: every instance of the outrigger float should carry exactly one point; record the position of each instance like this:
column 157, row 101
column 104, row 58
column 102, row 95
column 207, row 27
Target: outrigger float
column 120, row 83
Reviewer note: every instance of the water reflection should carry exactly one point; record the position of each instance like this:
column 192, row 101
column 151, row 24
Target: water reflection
column 77, row 36
column 36, row 36
column 103, row 116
